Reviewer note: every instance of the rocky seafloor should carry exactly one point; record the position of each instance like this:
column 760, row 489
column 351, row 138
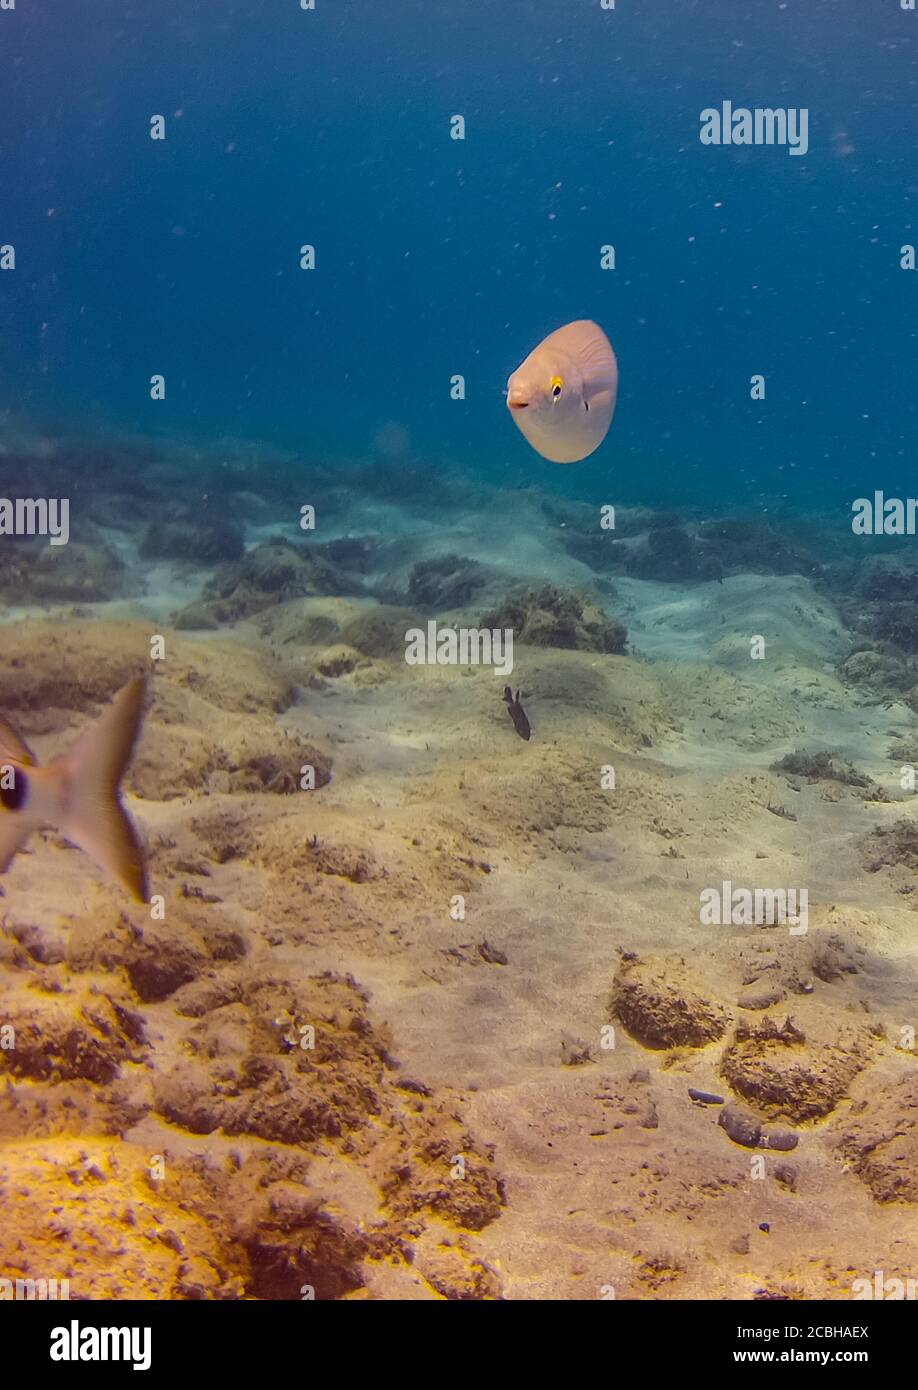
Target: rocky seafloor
column 448, row 1024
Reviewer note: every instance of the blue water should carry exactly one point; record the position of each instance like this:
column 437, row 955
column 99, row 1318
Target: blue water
column 436, row 256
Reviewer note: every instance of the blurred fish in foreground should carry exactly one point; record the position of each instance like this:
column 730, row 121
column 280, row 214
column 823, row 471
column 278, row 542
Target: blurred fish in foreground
column 78, row 793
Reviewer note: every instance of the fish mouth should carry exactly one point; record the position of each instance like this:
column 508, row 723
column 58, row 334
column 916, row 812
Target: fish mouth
column 518, row 405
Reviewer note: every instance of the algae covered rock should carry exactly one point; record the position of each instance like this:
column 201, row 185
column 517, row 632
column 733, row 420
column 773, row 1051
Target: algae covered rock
column 787, row 1073
column 339, row 660
column 203, row 536
column 550, row 617
column 271, row 770
column 379, row 631
column 673, row 554
column 72, row 573
column 294, row 1243
column 829, row 767
column 447, row 581
column 892, row 847
column 754, row 545
column 453, row 1269
column 87, row 1212
column 662, row 1007
column 274, row 572
column 880, row 1141
column 877, row 670
column 79, row 1033
column 883, row 603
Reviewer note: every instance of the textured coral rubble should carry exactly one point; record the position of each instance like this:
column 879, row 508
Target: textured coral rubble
column 784, row 1071
column 135, row 1037
column 100, row 1080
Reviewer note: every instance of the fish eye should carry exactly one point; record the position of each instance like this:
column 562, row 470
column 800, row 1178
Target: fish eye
column 13, row 787
column 557, row 385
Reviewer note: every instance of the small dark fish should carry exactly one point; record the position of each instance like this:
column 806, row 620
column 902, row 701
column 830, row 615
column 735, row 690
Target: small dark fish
column 517, row 713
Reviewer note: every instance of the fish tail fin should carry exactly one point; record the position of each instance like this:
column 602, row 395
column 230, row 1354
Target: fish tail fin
column 93, row 768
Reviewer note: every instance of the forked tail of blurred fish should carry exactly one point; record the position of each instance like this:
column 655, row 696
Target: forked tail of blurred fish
column 79, row 793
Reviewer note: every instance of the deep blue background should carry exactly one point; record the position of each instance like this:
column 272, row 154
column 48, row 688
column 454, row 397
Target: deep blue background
column 435, row 256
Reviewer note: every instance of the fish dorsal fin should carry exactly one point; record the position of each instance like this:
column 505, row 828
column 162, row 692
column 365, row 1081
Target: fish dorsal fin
column 587, row 345
column 14, row 747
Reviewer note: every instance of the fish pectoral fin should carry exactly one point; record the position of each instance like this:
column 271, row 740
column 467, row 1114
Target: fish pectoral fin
column 13, row 835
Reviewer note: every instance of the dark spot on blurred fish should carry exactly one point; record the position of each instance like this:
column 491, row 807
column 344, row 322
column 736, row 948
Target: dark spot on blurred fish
column 517, row 713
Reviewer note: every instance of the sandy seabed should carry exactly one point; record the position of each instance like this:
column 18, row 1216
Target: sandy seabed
column 496, row 961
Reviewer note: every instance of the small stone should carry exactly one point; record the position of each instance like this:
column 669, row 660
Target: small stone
column 741, row 1125
column 44, row 943
column 779, row 1139
column 574, row 1051
column 761, row 999
column 786, row 1175
column 705, row 1097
